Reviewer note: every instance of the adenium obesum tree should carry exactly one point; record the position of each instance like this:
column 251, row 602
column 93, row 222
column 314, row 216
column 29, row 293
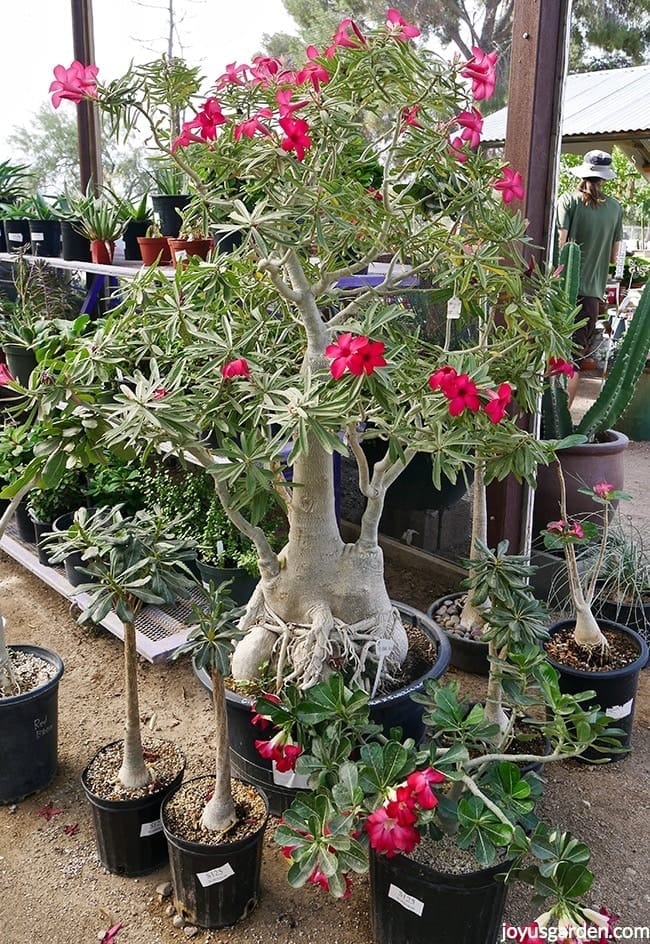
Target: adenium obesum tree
column 276, row 355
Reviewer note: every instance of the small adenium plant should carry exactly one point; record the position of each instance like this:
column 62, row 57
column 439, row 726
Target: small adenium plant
column 282, row 352
column 568, row 534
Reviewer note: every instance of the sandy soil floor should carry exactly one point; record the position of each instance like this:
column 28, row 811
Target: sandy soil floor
column 54, row 891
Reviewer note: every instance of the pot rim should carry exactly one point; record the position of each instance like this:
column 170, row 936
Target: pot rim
column 636, row 666
column 48, row 655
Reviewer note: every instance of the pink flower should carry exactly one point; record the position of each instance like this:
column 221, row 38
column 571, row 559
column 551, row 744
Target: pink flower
column 443, row 379
column 558, row 366
column 387, row 835
column 159, row 393
column 319, row 878
column 261, row 720
column 603, row 490
column 74, row 84
column 398, row 27
column 5, row 376
column 280, row 750
column 358, row 354
column 265, row 69
column 481, row 70
column 420, row 783
column 296, row 136
column 498, row 402
column 457, row 148
column 409, row 116
column 253, row 125
column 510, row 185
column 342, row 37
column 234, row 75
column 462, row 396
column 472, row 124
column 286, row 107
column 566, row 529
column 236, row 368
column 313, row 71
column 111, row 934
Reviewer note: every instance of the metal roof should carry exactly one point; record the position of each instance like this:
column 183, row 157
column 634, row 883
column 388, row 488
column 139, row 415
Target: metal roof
column 600, row 108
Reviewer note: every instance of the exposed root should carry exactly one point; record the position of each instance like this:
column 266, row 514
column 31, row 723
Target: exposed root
column 311, row 651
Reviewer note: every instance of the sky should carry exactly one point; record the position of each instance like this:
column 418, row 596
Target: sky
column 37, row 35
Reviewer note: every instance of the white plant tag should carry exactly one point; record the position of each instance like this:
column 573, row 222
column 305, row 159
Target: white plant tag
column 214, row 876
column 289, row 778
column 38, row 237
column 150, row 829
column 453, row 308
column 620, row 711
column 220, row 548
column 15, row 237
column 405, row 900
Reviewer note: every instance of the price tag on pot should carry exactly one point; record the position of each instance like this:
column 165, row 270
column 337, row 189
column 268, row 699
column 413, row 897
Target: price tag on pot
column 38, row 237
column 150, row 829
column 453, row 308
column 620, row 711
column 405, row 900
column 15, row 237
column 214, row 876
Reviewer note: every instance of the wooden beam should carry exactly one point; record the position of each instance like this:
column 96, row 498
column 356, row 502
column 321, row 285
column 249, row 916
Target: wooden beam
column 88, row 130
column 532, row 147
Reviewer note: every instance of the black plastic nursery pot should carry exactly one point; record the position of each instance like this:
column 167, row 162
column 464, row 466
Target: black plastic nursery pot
column 74, row 246
column 21, row 361
column 615, row 688
column 24, row 523
column 16, row 235
column 129, row 833
column 167, row 208
column 41, row 528
column 411, row 903
column 242, row 583
column 215, row 886
column 469, row 655
column 45, row 237
column 29, row 733
column 396, row 709
column 133, row 230
column 73, row 563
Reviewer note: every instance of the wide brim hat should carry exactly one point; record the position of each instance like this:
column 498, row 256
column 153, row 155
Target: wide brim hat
column 595, row 164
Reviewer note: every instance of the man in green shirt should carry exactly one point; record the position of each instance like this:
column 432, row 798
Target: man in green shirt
column 594, row 221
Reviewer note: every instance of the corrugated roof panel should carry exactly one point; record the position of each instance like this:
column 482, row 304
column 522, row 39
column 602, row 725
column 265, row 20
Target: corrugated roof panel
column 608, row 102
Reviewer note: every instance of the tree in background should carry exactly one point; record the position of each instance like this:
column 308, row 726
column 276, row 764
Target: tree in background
column 49, row 146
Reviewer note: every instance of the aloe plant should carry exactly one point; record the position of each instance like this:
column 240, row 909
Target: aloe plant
column 618, row 388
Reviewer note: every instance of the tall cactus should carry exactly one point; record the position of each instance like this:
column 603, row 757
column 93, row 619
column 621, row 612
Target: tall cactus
column 618, row 389
column 557, row 422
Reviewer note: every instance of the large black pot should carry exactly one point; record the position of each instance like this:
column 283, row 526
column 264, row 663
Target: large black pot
column 412, row 903
column 41, row 528
column 615, row 689
column 21, row 361
column 73, row 563
column 215, row 886
column 29, row 733
column 25, row 523
column 45, row 237
column 394, row 710
column 469, row 655
column 242, row 583
column 414, row 489
column 74, row 246
column 133, row 230
column 129, row 833
column 167, row 208
column 17, row 236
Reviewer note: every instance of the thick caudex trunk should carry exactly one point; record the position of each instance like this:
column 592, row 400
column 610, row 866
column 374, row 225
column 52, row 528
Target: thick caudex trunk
column 133, row 773
column 327, row 606
column 219, row 812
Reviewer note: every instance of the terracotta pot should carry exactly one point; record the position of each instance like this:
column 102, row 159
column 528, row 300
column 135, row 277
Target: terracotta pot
column 182, row 248
column 154, row 250
column 102, row 251
column 582, row 466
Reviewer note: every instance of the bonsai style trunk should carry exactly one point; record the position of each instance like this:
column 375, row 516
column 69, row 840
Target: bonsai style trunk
column 471, row 615
column 133, row 773
column 219, row 813
column 327, row 602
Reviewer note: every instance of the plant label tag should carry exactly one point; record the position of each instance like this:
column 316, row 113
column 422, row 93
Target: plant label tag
column 220, row 547
column 620, row 711
column 150, row 829
column 453, row 308
column 15, row 237
column 384, row 647
column 405, row 900
column 214, row 876
column 38, row 237
column 289, row 778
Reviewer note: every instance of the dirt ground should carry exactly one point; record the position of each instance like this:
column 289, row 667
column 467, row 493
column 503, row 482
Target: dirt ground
column 53, row 889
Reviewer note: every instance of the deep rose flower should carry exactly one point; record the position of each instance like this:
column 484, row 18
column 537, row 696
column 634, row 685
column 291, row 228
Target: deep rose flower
column 472, row 124
column 357, row 354
column 286, row 107
column 398, row 27
column 558, row 366
column 403, row 807
column 263, row 721
column 565, row 529
column 457, row 148
column 443, row 379
column 481, row 70
column 234, row 75
column 498, row 402
column 280, row 751
column 603, row 489
column 463, row 396
column 159, row 393
column 342, row 37
column 5, row 376
column 319, row 878
column 313, row 71
column 265, row 69
column 420, row 783
column 296, row 136
column 409, row 116
column 236, row 368
column 253, row 125
column 510, row 185
column 366, row 358
column 387, row 835
column 74, row 84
